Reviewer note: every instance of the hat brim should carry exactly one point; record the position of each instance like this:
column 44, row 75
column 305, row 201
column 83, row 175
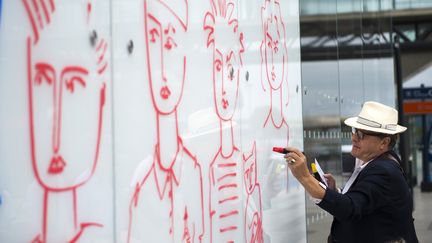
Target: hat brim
column 352, row 122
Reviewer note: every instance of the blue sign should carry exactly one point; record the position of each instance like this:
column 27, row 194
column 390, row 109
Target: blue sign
column 417, row 93
column 0, row 9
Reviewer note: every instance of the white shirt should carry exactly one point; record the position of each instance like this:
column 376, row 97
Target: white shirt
column 359, row 166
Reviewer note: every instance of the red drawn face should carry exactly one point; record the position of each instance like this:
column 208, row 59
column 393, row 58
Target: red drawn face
column 275, row 52
column 226, row 69
column 166, row 64
column 66, row 105
column 226, row 65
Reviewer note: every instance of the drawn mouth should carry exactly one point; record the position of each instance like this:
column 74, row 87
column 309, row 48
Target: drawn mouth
column 225, row 103
column 165, row 92
column 57, row 165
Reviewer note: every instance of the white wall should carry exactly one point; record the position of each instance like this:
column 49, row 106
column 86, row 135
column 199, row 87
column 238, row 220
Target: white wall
column 96, row 146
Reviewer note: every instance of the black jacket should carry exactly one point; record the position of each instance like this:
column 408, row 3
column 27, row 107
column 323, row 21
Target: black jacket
column 377, row 207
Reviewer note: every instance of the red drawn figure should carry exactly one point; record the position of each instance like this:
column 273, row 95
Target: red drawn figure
column 274, row 57
column 167, row 203
column 253, row 231
column 66, row 89
column 224, row 173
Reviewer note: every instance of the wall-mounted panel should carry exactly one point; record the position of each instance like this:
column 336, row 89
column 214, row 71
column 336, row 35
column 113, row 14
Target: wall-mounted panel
column 196, row 119
column 149, row 121
column 56, row 130
column 270, row 107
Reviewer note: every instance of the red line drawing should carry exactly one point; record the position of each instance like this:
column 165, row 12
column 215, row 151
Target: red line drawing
column 274, row 60
column 167, row 202
column 253, row 231
column 56, row 92
column 226, row 42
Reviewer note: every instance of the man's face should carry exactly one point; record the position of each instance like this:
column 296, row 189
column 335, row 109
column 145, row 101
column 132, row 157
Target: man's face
column 275, row 52
column 66, row 104
column 166, row 64
column 367, row 148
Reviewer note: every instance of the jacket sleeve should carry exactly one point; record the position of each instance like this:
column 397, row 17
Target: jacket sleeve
column 368, row 193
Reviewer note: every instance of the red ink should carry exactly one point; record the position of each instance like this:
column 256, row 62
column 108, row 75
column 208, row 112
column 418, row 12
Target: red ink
column 226, row 176
column 224, row 170
column 234, row 185
column 225, row 229
column 229, row 199
column 274, row 62
column 221, row 165
column 253, row 210
column 172, row 186
column 89, row 9
column 224, row 215
column 62, row 164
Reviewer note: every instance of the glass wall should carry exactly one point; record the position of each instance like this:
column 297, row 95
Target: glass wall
column 410, row 4
column 347, row 59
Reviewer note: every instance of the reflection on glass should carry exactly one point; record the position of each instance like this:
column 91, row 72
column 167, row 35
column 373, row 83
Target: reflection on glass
column 345, row 61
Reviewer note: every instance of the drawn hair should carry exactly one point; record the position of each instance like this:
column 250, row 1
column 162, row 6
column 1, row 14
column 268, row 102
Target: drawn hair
column 224, row 10
column 39, row 13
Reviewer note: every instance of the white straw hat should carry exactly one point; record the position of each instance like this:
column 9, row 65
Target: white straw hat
column 376, row 117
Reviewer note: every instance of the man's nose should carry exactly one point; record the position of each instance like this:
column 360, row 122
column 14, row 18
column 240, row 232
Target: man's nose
column 354, row 137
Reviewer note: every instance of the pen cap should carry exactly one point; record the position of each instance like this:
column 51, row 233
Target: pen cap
column 279, row 150
column 313, row 167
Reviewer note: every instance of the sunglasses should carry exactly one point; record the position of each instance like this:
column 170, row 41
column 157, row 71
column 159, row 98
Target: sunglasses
column 360, row 133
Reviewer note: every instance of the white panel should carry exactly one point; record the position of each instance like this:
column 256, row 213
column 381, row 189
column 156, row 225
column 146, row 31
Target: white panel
column 271, row 110
column 56, row 136
column 165, row 124
column 181, row 147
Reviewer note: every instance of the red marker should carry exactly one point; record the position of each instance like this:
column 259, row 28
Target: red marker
column 280, row 150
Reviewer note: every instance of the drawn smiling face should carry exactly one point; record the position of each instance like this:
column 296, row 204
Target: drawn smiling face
column 66, row 104
column 166, row 64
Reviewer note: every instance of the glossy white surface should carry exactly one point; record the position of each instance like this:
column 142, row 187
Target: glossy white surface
column 185, row 151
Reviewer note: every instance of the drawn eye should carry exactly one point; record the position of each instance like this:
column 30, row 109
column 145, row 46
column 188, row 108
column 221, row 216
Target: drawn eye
column 218, row 65
column 72, row 81
column 154, row 33
column 44, row 73
column 276, row 44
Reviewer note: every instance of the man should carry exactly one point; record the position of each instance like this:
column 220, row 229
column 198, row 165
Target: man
column 375, row 205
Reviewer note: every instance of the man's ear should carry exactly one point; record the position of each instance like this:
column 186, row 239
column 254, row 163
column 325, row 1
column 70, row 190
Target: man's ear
column 386, row 141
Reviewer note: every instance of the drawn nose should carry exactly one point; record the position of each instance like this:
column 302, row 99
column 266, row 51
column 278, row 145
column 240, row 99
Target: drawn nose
column 163, row 72
column 57, row 115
